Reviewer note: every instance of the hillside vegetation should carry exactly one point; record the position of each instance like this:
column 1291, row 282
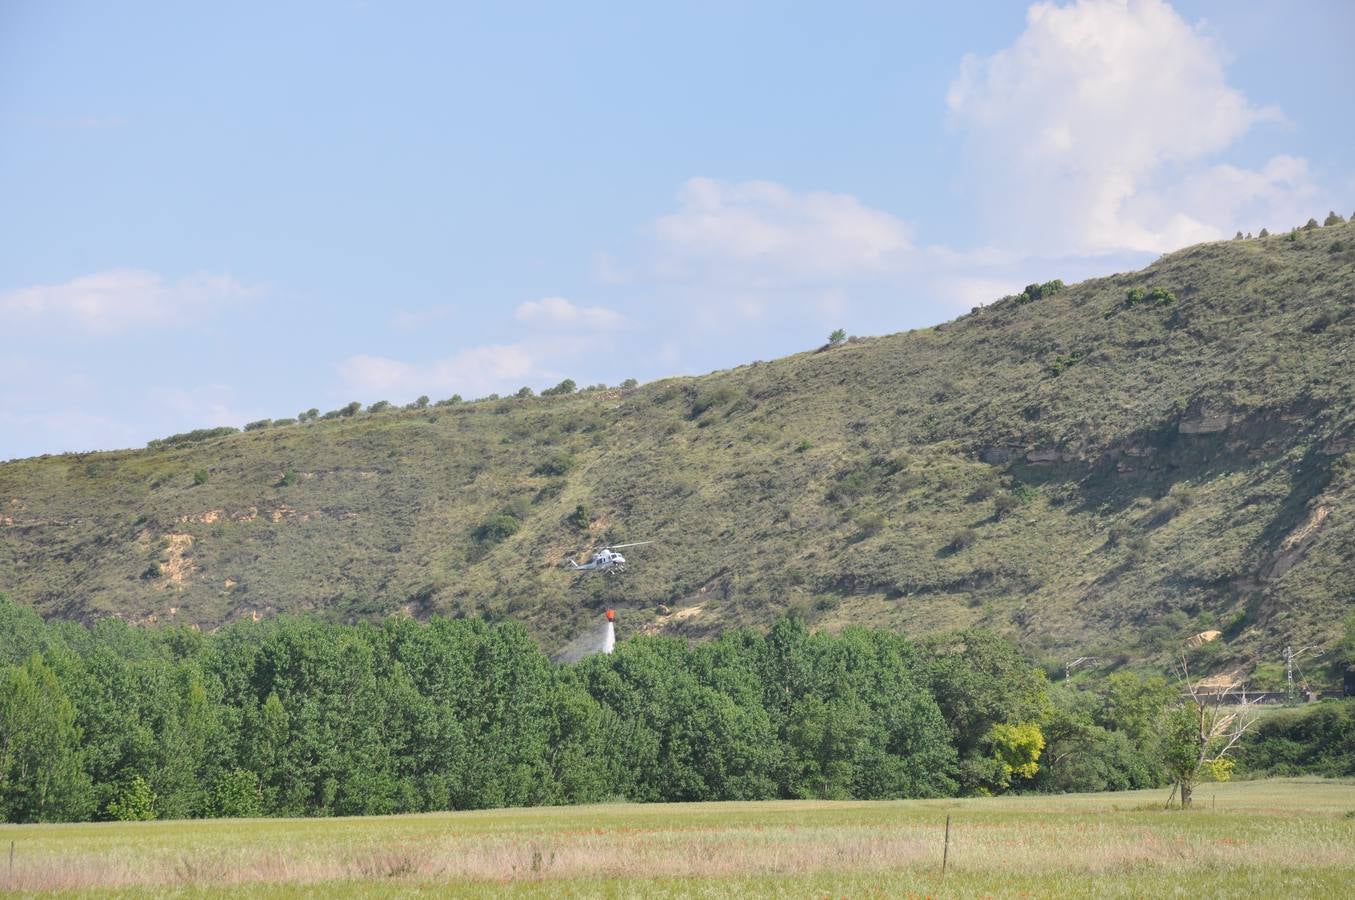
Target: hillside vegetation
column 1106, row 468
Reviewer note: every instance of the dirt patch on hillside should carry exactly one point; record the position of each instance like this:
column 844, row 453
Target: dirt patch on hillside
column 177, row 566
column 1307, row 529
column 673, row 620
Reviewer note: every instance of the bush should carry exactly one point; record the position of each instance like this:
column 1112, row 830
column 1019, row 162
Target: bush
column 870, row 523
column 562, row 389
column 379, row 406
column 200, row 477
column 278, row 423
column 1265, row 233
column 1310, row 225
column 351, row 409
column 524, row 392
column 497, row 528
column 803, row 446
column 1332, row 219
column 1064, row 362
column 580, row 517
column 1163, row 511
column 421, row 402
column 962, row 539
column 191, row 437
column 1039, row 291
column 558, row 463
column 261, row 423
column 135, row 802
column 1159, row 296
column 1004, row 504
column 288, row 478
column 236, row 795
column 1138, row 546
column 837, row 337
column 629, row 383
column 450, row 401
column 712, row 397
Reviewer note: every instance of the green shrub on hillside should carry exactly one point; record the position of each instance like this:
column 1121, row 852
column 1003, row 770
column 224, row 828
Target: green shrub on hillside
column 1039, row 291
column 261, row 423
column 200, row 477
column 961, row 540
column 580, row 517
column 870, row 523
column 191, row 437
column 1063, row 362
column 561, row 462
column 497, row 528
column 1332, row 219
column 563, row 389
column 379, row 406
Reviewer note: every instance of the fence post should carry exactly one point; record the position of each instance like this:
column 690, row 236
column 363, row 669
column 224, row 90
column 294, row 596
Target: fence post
column 945, row 853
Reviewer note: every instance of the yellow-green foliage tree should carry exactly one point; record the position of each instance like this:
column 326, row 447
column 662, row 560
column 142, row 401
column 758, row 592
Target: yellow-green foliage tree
column 1016, row 749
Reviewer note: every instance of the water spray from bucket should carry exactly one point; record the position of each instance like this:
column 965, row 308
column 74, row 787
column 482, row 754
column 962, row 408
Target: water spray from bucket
column 598, row 639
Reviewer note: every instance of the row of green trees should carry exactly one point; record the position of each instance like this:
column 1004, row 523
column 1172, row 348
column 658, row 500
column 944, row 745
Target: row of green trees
column 298, row 717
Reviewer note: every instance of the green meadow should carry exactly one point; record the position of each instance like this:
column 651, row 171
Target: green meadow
column 1279, row 837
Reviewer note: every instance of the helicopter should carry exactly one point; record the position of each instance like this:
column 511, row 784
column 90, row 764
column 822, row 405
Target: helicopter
column 606, row 559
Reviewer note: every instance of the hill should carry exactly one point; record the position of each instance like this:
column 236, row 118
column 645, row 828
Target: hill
column 1104, row 469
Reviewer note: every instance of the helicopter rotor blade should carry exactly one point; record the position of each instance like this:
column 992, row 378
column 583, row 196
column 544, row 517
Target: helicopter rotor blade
column 619, row 546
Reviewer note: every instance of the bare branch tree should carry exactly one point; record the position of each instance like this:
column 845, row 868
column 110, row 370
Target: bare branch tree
column 1199, row 735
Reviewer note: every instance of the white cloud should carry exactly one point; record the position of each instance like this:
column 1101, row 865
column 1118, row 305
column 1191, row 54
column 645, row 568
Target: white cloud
column 406, row 319
column 1088, row 127
column 471, row 373
column 964, row 293
column 206, row 406
column 766, row 232
column 60, row 431
column 124, row 298
column 559, row 313
column 608, row 270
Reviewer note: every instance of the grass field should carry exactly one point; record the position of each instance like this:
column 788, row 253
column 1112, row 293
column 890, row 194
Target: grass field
column 1267, row 838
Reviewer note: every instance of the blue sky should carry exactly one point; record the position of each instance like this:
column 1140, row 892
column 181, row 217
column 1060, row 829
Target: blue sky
column 212, row 214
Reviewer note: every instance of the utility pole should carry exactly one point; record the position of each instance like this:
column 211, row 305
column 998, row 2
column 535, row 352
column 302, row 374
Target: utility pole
column 1289, row 672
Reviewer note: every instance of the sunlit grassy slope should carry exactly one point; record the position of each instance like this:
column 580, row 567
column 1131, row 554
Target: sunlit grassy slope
column 1277, row 838
column 1087, row 475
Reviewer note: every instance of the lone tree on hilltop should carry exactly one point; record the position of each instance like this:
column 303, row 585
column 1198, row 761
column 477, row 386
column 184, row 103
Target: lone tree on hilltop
column 837, row 337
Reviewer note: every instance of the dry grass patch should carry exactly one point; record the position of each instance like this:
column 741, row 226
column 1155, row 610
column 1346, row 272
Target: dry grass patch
column 1260, row 837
